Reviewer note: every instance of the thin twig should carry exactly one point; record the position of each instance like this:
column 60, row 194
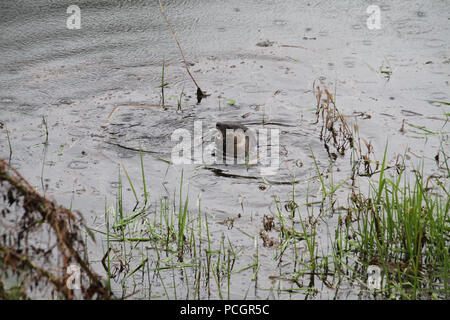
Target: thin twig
column 200, row 93
column 9, row 143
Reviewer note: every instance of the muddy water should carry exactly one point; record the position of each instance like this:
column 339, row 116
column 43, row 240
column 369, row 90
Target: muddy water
column 76, row 78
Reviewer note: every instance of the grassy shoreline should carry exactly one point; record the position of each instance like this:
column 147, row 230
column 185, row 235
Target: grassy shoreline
column 399, row 228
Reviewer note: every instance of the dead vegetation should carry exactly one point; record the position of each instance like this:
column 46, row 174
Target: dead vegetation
column 335, row 133
column 338, row 136
column 39, row 241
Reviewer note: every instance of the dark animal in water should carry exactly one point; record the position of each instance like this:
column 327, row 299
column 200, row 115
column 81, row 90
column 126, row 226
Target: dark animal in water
column 238, row 132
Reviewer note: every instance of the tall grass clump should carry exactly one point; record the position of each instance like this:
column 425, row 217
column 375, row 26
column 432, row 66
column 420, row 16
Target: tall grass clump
column 403, row 227
column 156, row 247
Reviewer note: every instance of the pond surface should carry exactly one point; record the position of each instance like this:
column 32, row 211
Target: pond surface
column 258, row 60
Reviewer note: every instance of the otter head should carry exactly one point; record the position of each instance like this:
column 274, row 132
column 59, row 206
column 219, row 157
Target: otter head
column 239, row 140
column 224, row 126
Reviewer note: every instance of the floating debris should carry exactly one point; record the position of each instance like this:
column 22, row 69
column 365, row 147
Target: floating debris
column 265, row 43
